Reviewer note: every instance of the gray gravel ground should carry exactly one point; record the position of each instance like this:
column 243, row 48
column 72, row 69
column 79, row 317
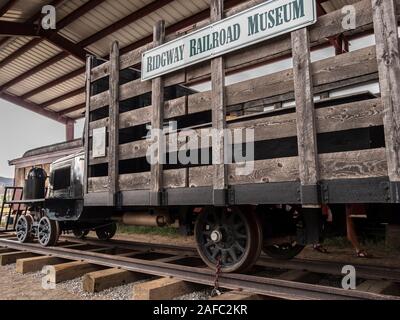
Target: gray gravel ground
column 199, row 295
column 74, row 287
column 117, row 293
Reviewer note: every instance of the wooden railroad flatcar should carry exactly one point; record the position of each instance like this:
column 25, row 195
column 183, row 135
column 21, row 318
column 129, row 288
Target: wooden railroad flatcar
column 310, row 154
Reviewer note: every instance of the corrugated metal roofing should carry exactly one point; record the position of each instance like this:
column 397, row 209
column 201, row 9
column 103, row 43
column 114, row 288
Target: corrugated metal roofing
column 101, row 16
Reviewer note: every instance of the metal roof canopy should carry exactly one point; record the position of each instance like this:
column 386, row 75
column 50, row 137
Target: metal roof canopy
column 43, row 70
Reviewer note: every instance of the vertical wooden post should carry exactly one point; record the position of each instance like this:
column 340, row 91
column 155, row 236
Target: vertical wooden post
column 69, row 130
column 113, row 146
column 218, row 114
column 88, row 92
column 305, row 116
column 388, row 57
column 157, row 122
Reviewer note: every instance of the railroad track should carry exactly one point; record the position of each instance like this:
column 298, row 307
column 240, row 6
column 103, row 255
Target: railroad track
column 171, row 271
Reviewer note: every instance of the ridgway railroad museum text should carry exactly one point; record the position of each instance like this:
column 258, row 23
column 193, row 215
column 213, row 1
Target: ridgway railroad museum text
column 259, row 23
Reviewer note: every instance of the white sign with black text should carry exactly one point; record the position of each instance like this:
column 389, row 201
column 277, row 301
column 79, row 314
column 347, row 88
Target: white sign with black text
column 259, row 23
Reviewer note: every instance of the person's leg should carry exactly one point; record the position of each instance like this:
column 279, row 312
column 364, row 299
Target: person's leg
column 317, row 246
column 351, row 232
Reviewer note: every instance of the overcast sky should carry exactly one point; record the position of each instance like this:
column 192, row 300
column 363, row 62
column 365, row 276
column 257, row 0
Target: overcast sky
column 21, row 129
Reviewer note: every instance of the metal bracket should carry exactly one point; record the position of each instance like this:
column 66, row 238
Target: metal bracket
column 219, row 197
column 310, row 194
column 158, row 198
column 325, row 193
column 118, row 199
column 395, row 191
column 231, row 196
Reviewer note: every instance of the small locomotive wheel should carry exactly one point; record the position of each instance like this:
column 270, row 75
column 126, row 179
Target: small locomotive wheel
column 24, row 228
column 80, row 234
column 228, row 237
column 282, row 222
column 106, row 232
column 285, row 251
column 48, row 232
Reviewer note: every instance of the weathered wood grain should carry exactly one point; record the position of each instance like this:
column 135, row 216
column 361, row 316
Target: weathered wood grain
column 157, row 121
column 88, row 86
column 327, row 26
column 305, row 112
column 353, row 165
column 388, row 57
column 97, row 184
column 362, row 114
column 218, row 105
column 113, row 135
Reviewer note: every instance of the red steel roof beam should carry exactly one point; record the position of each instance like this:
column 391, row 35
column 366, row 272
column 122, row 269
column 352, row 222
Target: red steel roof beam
column 7, row 6
column 171, row 29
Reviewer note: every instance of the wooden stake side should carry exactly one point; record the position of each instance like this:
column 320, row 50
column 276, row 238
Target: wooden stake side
column 305, row 112
column 388, row 57
column 157, row 122
column 88, row 91
column 113, row 171
column 218, row 106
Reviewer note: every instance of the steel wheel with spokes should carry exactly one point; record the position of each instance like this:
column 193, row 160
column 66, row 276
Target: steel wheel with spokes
column 281, row 225
column 23, row 228
column 106, row 232
column 80, row 234
column 283, row 251
column 48, row 232
column 229, row 237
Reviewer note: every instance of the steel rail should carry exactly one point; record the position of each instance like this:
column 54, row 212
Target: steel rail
column 317, row 266
column 260, row 285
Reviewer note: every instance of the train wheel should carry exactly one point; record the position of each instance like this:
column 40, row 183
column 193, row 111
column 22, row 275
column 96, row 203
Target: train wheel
column 285, row 251
column 80, row 234
column 280, row 232
column 106, row 232
column 48, row 232
column 228, row 237
column 23, row 228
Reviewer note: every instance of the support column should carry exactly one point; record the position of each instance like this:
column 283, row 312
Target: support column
column 305, row 117
column 218, row 106
column 157, row 122
column 69, row 130
column 113, row 154
column 88, row 94
column 388, row 57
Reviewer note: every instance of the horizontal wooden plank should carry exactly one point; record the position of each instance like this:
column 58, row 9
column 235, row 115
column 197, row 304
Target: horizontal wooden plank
column 361, row 114
column 330, row 73
column 353, row 165
column 140, row 181
column 341, row 165
column 327, row 26
column 132, row 89
column 97, row 184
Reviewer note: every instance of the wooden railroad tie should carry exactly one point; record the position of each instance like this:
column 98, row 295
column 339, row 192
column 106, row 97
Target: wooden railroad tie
column 12, row 257
column 68, row 271
column 104, row 279
column 6, row 250
column 379, row 287
column 300, row 276
column 34, row 264
column 5, row 236
column 163, row 289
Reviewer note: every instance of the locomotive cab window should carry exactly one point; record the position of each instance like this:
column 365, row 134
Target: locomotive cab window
column 62, row 178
